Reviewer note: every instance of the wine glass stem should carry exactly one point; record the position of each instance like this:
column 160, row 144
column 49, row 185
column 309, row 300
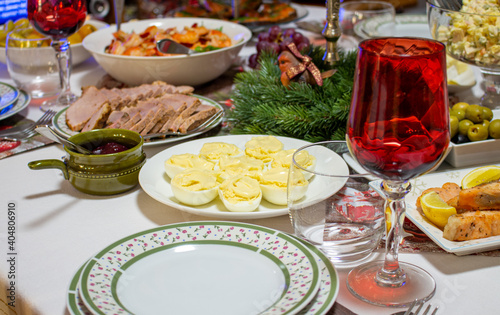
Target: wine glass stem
column 63, row 54
column 391, row 275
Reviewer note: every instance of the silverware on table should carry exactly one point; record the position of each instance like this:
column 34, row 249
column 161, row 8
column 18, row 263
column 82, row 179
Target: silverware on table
column 52, row 134
column 28, row 130
column 118, row 4
column 418, row 305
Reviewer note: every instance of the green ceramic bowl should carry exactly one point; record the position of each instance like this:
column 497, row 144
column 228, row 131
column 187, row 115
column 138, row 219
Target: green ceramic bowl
column 101, row 174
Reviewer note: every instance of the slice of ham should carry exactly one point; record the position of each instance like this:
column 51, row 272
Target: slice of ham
column 149, row 124
column 197, row 119
column 98, row 120
column 80, row 112
column 139, row 126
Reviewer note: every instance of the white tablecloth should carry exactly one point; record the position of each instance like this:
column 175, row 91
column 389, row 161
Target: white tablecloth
column 59, row 228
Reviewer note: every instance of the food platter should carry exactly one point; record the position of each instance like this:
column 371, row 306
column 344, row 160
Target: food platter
column 205, row 259
column 302, row 12
column 59, row 123
column 156, row 183
column 21, row 103
column 437, row 179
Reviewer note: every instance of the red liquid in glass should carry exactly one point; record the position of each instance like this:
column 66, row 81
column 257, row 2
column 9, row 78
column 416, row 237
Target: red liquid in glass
column 398, row 127
column 57, row 18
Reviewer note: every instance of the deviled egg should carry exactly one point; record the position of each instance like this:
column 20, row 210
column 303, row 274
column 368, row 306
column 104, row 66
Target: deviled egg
column 284, row 159
column 240, row 165
column 213, row 151
column 263, row 147
column 273, row 184
column 195, row 187
column 180, row 162
column 240, row 193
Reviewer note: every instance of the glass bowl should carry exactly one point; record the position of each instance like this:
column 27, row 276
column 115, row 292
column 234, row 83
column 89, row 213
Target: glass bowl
column 471, row 34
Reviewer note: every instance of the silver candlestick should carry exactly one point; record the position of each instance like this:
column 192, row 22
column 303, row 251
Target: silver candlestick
column 332, row 31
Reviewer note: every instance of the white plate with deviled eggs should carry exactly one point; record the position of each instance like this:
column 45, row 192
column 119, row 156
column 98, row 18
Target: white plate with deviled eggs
column 156, row 183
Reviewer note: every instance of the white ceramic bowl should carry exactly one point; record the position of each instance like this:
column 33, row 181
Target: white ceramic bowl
column 475, row 153
column 78, row 53
column 177, row 70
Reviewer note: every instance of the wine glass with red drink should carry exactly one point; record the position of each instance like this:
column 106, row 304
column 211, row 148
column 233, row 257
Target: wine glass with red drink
column 58, row 19
column 398, row 129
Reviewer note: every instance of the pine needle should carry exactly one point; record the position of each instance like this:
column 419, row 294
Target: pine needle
column 262, row 105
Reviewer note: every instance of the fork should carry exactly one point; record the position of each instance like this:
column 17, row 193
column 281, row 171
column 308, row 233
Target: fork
column 419, row 304
column 206, row 124
column 29, row 131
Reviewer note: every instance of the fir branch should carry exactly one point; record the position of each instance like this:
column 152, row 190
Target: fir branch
column 262, row 105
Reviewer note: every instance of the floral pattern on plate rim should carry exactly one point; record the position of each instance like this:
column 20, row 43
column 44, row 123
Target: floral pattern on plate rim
column 320, row 305
column 100, row 276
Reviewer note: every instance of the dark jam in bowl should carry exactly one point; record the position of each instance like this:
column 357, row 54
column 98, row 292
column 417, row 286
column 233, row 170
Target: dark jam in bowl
column 110, row 148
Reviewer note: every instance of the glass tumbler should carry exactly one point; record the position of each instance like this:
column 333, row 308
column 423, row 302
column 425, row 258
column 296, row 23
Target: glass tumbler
column 32, row 64
column 330, row 206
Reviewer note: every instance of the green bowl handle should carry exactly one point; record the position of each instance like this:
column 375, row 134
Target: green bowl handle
column 44, row 164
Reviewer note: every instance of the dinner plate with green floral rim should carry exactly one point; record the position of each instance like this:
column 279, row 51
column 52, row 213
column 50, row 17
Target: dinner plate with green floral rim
column 74, row 302
column 59, row 123
column 8, row 95
column 329, row 287
column 141, row 266
column 320, row 305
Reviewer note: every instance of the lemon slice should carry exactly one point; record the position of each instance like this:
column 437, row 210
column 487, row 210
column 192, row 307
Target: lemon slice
column 481, row 175
column 436, row 210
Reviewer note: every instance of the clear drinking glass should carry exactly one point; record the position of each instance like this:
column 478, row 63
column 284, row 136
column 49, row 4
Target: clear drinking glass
column 353, row 19
column 58, row 19
column 330, row 206
column 398, row 129
column 32, row 64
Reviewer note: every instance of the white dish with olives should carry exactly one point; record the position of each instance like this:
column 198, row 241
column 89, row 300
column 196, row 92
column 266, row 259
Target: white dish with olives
column 474, row 142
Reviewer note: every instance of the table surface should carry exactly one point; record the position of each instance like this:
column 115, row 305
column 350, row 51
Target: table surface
column 58, row 228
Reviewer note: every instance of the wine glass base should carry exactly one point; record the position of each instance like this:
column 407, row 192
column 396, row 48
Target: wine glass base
column 419, row 285
column 59, row 103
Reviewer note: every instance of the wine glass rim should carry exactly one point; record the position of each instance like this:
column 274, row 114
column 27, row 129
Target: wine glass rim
column 384, row 6
column 435, row 5
column 324, row 174
column 442, row 47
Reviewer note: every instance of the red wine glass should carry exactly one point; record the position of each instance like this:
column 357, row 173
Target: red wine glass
column 58, row 19
column 398, row 129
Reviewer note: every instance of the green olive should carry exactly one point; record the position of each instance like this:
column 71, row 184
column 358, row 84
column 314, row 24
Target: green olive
column 453, row 126
column 486, row 123
column 463, row 126
column 460, row 105
column 459, row 113
column 474, row 113
column 494, row 129
column 477, row 132
column 487, row 113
